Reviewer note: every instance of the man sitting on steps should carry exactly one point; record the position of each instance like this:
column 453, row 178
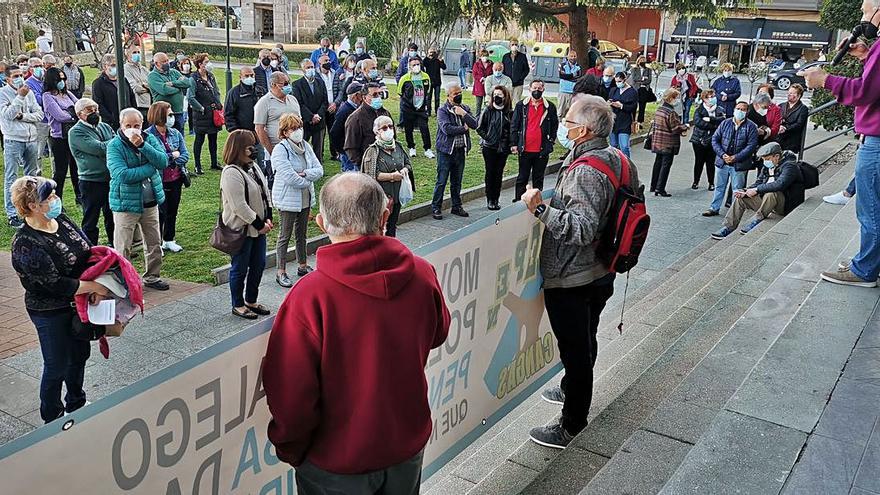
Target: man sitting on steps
column 779, row 189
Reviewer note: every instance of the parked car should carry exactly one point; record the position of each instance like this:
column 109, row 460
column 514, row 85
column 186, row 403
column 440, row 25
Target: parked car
column 652, row 53
column 783, row 79
column 610, row 49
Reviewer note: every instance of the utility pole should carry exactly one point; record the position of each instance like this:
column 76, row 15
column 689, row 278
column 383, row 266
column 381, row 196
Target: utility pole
column 228, row 58
column 118, row 43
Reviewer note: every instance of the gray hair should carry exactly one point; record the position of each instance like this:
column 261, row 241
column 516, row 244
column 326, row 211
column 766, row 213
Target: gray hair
column 130, row 111
column 303, row 62
column 83, row 103
column 762, row 99
column 352, row 203
column 380, row 121
column 49, row 59
column 592, row 112
column 34, row 60
column 450, row 85
column 108, row 60
column 278, row 77
column 277, row 51
column 157, row 55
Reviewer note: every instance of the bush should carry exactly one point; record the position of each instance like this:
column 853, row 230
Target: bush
column 377, row 42
column 218, row 50
column 172, row 33
column 30, row 32
column 837, row 117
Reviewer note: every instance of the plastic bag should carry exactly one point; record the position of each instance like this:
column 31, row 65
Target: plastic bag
column 406, row 190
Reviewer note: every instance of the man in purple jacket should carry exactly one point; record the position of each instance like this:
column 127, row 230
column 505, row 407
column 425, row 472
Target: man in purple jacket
column 864, row 94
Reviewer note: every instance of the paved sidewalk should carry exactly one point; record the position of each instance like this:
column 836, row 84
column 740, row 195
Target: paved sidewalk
column 197, row 317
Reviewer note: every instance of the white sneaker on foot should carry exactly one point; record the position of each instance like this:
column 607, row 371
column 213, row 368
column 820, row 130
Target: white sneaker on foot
column 172, row 246
column 836, row 199
column 412, row 152
column 429, row 154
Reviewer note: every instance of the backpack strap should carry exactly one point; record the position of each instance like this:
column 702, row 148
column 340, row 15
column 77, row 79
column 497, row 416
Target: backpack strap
column 596, row 163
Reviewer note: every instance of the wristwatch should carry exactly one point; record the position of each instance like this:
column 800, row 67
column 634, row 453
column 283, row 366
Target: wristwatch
column 540, row 210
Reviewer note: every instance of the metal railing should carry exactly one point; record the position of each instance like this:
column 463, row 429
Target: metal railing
column 814, row 111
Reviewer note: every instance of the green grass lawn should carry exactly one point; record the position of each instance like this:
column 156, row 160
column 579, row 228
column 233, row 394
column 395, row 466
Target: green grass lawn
column 200, row 203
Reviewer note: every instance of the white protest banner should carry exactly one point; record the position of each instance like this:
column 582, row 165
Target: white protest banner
column 199, row 426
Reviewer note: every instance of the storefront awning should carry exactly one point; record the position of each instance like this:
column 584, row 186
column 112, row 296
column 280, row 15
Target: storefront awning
column 733, row 31
column 791, row 33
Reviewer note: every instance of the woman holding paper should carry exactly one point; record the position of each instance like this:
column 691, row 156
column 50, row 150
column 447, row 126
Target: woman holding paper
column 386, row 161
column 49, row 253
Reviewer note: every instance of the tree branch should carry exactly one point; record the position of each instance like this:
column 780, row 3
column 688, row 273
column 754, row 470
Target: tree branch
column 543, row 8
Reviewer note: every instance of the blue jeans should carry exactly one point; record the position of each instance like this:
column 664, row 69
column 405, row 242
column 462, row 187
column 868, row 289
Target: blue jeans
column 347, row 164
column 462, row 76
column 448, row 167
column 247, row 271
column 851, row 187
column 723, row 176
column 620, row 140
column 686, row 111
column 866, row 264
column 17, row 154
column 64, row 361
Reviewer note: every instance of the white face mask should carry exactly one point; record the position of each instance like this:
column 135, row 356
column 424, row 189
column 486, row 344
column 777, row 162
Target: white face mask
column 297, row 136
column 273, row 64
column 727, row 73
column 386, row 135
column 131, row 132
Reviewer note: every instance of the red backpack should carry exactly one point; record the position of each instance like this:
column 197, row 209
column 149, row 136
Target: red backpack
column 626, row 230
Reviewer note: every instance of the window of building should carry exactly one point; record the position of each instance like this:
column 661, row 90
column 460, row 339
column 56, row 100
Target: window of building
column 234, row 16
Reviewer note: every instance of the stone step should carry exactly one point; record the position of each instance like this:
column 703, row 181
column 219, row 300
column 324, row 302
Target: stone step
column 761, row 430
column 650, row 456
column 639, row 351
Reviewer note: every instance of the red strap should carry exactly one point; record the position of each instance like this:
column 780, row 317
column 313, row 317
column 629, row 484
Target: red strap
column 595, row 162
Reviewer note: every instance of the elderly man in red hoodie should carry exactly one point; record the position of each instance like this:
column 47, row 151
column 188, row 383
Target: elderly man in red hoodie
column 344, row 368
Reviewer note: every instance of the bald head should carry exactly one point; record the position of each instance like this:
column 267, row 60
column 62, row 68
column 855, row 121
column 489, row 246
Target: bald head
column 352, row 205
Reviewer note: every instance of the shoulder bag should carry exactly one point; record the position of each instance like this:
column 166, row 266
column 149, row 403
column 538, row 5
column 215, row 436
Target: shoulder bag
column 225, row 238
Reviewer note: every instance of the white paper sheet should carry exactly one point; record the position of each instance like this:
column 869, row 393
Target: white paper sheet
column 103, row 313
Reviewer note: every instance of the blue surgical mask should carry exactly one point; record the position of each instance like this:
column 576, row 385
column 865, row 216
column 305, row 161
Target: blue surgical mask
column 60, row 85
column 739, row 114
column 606, row 79
column 359, row 50
column 498, row 73
column 54, row 209
column 287, row 89
column 769, row 164
column 412, row 54
column 376, row 103
column 136, row 57
column 310, row 73
column 112, row 72
column 562, row 137
column 620, row 85
column 712, row 101
column 38, row 72
column 17, row 82
column 249, row 81
column 374, row 73
column 169, row 121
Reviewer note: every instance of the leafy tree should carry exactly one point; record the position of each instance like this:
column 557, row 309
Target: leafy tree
column 840, row 14
column 335, row 26
column 139, row 17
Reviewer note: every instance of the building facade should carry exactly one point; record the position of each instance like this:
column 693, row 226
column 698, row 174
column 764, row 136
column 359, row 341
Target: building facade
column 11, row 39
column 290, row 21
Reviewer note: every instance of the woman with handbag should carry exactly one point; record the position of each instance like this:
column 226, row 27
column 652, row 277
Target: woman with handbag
column 246, row 218
column 207, row 110
column 58, row 105
column 49, row 253
column 386, row 161
column 296, row 169
column 666, row 133
column 707, row 118
column 175, row 175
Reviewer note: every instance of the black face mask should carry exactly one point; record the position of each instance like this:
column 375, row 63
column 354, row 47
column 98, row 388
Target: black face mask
column 457, row 99
column 326, row 66
column 641, row 64
column 93, row 119
column 537, row 94
column 252, row 155
column 68, row 64
column 165, row 67
column 498, row 100
column 868, row 29
column 266, row 61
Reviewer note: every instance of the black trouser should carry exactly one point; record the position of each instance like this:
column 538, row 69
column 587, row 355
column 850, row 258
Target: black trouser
column 435, row 95
column 212, row 149
column 660, row 174
column 704, row 157
column 63, row 161
column 391, row 225
column 328, row 124
column 95, row 202
column 315, row 134
column 530, row 165
column 574, row 317
column 168, row 209
column 641, row 111
column 495, row 162
column 189, row 118
column 408, row 128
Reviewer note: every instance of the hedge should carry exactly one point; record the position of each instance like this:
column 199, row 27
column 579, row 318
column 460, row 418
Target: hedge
column 236, row 52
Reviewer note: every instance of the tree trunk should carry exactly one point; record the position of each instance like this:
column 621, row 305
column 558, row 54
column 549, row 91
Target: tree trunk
column 577, row 32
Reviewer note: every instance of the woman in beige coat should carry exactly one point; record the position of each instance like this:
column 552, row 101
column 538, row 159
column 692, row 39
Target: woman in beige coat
column 245, row 199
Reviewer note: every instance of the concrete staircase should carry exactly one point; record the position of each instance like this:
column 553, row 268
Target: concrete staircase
column 726, row 362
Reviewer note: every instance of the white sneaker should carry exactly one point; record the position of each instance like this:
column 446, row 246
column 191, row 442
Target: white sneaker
column 84, row 405
column 836, row 199
column 412, row 152
column 172, row 246
column 429, row 154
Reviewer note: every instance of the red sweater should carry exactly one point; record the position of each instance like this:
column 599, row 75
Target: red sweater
column 344, row 371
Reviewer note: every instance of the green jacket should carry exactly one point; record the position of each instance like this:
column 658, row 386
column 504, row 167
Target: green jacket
column 173, row 94
column 130, row 167
column 89, row 147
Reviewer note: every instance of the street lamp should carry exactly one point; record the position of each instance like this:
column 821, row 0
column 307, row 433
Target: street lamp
column 228, row 64
column 121, row 83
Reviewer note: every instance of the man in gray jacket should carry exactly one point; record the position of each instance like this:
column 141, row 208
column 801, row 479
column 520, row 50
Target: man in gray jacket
column 576, row 284
column 19, row 115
